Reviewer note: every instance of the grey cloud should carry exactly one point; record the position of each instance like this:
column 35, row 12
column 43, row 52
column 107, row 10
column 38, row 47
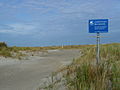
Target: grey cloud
column 18, row 28
column 7, row 27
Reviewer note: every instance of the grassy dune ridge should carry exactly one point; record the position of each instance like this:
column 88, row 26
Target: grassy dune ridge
column 14, row 51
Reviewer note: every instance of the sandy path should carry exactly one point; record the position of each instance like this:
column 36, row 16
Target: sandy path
column 26, row 75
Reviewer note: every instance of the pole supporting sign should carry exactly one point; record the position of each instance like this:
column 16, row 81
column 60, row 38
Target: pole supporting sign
column 98, row 26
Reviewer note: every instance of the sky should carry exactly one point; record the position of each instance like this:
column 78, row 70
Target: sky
column 56, row 22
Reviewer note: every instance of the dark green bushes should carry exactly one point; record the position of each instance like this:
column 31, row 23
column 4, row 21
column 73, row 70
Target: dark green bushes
column 3, row 44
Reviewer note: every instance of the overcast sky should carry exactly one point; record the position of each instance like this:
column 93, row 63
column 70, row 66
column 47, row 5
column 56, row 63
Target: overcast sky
column 56, row 22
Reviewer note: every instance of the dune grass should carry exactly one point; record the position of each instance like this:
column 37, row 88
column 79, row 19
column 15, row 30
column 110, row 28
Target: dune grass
column 84, row 74
column 6, row 51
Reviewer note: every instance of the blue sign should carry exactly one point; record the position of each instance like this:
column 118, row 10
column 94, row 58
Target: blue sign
column 98, row 26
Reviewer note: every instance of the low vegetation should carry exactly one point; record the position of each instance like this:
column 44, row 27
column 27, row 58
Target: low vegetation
column 6, row 51
column 15, row 52
column 84, row 74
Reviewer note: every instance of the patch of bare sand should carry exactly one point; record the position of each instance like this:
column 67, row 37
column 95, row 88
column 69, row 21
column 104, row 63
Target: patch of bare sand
column 27, row 74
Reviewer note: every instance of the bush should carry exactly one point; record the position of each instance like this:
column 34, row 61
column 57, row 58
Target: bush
column 5, row 52
column 3, row 44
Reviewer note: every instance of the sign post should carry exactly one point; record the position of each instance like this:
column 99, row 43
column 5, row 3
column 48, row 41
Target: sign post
column 98, row 48
column 98, row 26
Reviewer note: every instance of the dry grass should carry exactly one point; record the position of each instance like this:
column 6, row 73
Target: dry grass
column 84, row 74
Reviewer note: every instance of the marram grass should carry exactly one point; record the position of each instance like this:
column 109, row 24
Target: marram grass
column 84, row 74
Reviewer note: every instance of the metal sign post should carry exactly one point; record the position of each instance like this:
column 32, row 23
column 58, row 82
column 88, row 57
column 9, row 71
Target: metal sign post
column 98, row 49
column 98, row 26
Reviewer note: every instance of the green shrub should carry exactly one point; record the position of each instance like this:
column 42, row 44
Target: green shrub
column 3, row 44
column 5, row 52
